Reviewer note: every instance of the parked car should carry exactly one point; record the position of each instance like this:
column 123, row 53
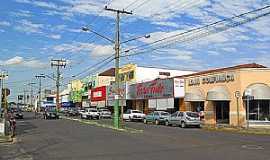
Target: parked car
column 90, row 113
column 104, row 113
column 157, row 117
column 72, row 112
column 184, row 119
column 133, row 115
column 50, row 114
column 80, row 111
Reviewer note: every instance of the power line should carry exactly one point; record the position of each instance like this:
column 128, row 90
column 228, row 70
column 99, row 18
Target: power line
column 212, row 28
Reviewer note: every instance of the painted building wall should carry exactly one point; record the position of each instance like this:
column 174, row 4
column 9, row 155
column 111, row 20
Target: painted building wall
column 242, row 79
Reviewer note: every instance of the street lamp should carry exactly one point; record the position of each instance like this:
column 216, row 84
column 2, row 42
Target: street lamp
column 86, row 29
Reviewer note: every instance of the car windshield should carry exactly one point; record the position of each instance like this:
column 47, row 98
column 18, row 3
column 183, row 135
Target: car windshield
column 165, row 113
column 104, row 110
column 192, row 114
column 136, row 112
column 93, row 110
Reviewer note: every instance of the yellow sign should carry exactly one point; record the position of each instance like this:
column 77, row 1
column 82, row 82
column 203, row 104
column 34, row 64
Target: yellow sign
column 127, row 73
column 127, row 68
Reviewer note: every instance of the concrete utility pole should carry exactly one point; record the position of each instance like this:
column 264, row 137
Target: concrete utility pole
column 31, row 93
column 39, row 77
column 117, row 61
column 58, row 63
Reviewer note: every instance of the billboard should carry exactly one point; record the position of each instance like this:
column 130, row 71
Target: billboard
column 112, row 92
column 161, row 88
column 98, row 94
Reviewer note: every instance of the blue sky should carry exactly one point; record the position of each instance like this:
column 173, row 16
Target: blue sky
column 33, row 32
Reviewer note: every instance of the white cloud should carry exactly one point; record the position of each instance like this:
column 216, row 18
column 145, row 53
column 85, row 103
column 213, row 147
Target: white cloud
column 55, row 36
column 4, row 23
column 73, row 47
column 168, row 24
column 14, row 61
column 18, row 61
column 95, row 50
column 102, row 50
column 22, row 13
column 28, row 27
column 173, row 54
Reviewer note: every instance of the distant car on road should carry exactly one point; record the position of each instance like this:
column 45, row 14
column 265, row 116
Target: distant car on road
column 18, row 114
column 104, row 113
column 90, row 113
column 157, row 117
column 133, row 115
column 50, row 114
column 184, row 119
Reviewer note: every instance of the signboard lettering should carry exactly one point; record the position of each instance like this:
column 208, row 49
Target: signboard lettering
column 218, row 78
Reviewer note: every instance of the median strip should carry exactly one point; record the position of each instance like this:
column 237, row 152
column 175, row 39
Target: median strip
column 98, row 124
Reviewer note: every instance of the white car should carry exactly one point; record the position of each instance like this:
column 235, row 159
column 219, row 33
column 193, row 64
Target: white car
column 90, row 113
column 133, row 115
column 105, row 113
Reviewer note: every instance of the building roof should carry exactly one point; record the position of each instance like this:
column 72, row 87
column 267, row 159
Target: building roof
column 249, row 65
column 110, row 72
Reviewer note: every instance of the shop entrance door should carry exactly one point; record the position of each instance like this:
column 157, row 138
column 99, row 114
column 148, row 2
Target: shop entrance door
column 222, row 112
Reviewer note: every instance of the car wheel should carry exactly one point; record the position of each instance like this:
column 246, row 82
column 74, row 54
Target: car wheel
column 144, row 121
column 183, row 125
column 198, row 126
column 156, row 122
column 167, row 123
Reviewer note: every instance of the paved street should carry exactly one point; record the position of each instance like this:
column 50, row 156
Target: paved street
column 65, row 139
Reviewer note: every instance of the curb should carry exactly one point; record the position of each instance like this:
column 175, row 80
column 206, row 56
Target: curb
column 8, row 140
column 94, row 123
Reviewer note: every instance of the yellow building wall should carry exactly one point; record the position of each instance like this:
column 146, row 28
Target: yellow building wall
column 243, row 78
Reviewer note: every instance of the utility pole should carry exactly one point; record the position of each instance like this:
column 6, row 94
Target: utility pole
column 117, row 61
column 24, row 99
column 58, row 63
column 39, row 77
column 31, row 93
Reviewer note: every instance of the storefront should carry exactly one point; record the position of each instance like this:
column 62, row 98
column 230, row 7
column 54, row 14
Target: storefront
column 222, row 95
column 160, row 94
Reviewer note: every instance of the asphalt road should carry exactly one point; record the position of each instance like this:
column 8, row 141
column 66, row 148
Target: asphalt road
column 71, row 140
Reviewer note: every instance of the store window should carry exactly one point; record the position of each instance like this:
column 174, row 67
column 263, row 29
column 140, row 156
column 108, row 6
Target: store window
column 259, row 110
column 131, row 75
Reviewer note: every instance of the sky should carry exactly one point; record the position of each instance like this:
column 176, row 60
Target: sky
column 32, row 32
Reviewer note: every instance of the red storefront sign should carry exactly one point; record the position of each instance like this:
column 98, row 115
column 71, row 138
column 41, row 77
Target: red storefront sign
column 98, row 94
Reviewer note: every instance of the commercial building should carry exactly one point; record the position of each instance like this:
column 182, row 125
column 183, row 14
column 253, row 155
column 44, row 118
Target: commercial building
column 160, row 94
column 148, row 88
column 236, row 96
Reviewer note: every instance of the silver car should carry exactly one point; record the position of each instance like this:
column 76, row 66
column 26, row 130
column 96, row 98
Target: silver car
column 184, row 119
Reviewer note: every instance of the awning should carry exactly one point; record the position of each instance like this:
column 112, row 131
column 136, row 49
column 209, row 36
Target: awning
column 194, row 95
column 219, row 93
column 259, row 91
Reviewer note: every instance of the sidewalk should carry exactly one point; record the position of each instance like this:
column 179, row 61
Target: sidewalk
column 251, row 130
column 5, row 139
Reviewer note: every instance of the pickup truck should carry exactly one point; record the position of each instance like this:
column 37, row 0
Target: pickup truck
column 133, row 115
column 90, row 113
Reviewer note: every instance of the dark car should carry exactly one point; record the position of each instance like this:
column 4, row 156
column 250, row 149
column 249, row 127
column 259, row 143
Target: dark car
column 18, row 115
column 73, row 112
column 50, row 114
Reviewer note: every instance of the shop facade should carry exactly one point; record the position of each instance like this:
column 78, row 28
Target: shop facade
column 236, row 96
column 160, row 94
